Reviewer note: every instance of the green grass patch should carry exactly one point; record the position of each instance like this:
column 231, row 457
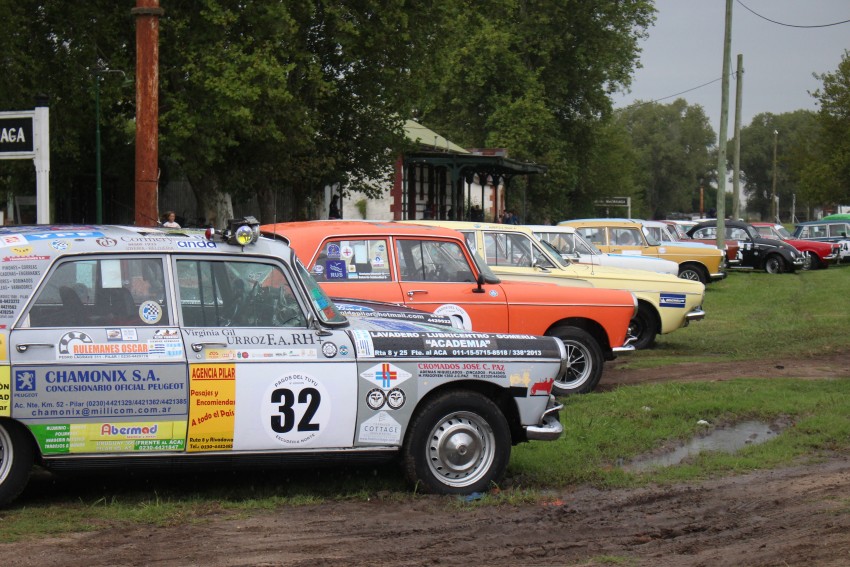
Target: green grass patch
column 754, row 315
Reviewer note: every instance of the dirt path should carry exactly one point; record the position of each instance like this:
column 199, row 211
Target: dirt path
column 793, row 516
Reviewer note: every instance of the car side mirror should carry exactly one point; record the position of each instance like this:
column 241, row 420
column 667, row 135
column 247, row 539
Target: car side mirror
column 480, row 282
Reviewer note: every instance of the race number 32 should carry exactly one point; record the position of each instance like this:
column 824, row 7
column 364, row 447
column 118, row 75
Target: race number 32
column 285, row 420
column 298, row 410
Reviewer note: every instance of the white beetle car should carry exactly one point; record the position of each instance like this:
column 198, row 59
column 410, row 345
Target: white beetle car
column 129, row 346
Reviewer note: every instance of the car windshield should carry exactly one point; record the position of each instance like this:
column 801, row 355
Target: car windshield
column 783, row 232
column 554, row 255
column 584, row 246
column 321, row 302
column 482, row 266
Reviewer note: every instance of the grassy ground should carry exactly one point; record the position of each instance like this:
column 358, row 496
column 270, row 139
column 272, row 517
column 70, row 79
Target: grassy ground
column 754, row 315
column 749, row 316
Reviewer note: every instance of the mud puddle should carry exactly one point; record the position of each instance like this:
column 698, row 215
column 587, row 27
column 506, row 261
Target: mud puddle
column 728, row 439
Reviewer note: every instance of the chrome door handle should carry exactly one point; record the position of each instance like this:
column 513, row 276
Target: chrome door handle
column 198, row 347
column 24, row 347
column 412, row 291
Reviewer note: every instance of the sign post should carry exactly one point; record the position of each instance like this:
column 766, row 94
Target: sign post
column 24, row 135
column 616, row 202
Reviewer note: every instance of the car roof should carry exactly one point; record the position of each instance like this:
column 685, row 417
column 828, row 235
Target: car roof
column 48, row 242
column 548, row 228
column 603, row 222
column 472, row 225
column 309, row 234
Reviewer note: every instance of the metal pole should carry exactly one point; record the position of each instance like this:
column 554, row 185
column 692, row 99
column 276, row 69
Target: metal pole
column 774, row 211
column 724, row 119
column 99, row 187
column 736, row 167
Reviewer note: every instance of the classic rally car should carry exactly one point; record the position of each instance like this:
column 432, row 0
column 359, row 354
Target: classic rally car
column 129, row 346
column 669, row 234
column 626, row 237
column 574, row 247
column 836, row 231
column 757, row 253
column 665, row 302
column 818, row 255
column 431, row 269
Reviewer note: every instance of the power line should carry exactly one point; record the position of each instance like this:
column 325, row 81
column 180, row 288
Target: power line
column 635, row 105
column 789, row 25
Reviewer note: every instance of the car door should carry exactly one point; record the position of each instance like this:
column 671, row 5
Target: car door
column 259, row 378
column 97, row 361
column 439, row 276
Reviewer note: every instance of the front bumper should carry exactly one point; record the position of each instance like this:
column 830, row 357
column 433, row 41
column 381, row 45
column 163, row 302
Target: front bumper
column 716, row 277
column 550, row 427
column 696, row 314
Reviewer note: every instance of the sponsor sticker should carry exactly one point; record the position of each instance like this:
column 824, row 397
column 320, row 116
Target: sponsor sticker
column 386, row 375
column 676, row 300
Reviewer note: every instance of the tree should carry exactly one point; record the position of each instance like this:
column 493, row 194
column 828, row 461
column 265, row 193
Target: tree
column 533, row 76
column 674, row 145
column 791, row 133
column 829, row 178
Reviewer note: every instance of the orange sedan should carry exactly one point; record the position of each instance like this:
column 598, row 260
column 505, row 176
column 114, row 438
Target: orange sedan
column 432, row 269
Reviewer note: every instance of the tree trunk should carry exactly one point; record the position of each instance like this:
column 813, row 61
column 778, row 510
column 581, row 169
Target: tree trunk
column 215, row 206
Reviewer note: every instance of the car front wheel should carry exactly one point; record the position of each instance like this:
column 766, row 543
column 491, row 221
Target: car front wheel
column 812, row 261
column 644, row 326
column 774, row 264
column 458, row 443
column 584, row 362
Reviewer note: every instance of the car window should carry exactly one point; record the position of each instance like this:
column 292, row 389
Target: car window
column 564, row 242
column 622, row 236
column 102, row 292
column 352, row 260
column 595, row 235
column 838, row 230
column 737, row 234
column 221, row 293
column 433, row 261
column 508, row 249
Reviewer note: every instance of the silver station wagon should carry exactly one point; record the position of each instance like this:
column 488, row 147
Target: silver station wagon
column 127, row 346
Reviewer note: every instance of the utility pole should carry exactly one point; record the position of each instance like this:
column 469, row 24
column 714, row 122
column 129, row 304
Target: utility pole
column 736, row 168
column 724, row 119
column 147, row 13
column 774, row 210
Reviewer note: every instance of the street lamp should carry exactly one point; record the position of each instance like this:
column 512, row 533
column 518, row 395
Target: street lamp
column 99, row 188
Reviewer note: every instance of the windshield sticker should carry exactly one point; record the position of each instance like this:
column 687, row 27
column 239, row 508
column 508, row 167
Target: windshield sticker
column 150, row 312
column 336, row 270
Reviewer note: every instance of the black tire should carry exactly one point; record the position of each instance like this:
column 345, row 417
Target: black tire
column 774, row 264
column 812, row 261
column 16, row 459
column 584, row 362
column 457, row 443
column 693, row 272
column 644, row 326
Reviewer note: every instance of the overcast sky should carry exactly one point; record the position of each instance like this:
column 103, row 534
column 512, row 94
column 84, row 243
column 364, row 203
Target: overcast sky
column 685, row 50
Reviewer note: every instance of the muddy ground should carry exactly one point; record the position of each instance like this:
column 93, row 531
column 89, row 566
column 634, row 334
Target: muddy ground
column 798, row 515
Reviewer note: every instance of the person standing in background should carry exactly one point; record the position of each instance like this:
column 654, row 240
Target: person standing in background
column 169, row 220
column 333, row 213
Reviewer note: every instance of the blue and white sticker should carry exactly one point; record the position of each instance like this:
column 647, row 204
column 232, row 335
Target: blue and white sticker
column 672, row 300
column 150, row 312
